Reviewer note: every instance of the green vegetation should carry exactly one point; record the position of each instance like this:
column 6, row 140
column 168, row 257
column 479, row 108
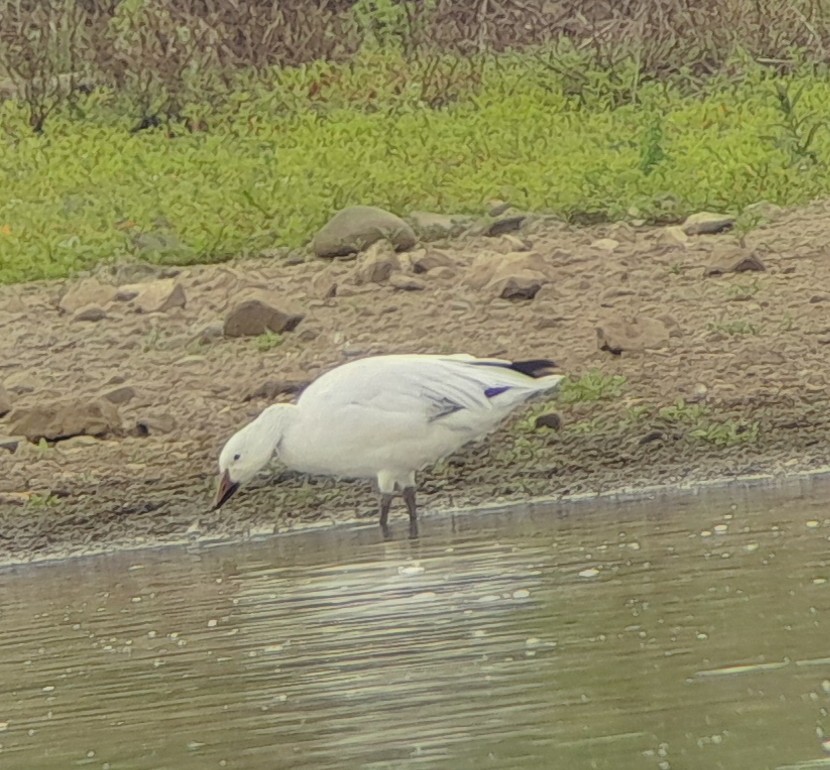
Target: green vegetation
column 169, row 148
column 697, row 422
column 743, row 291
column 267, row 341
column 732, row 328
column 591, row 386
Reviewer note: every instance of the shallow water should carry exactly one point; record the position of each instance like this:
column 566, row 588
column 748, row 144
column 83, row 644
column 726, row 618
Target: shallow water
column 682, row 634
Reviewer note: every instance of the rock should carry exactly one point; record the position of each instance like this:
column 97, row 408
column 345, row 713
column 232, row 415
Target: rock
column 354, row 229
column 436, row 227
column 404, row 282
column 5, row 401
column 550, row 420
column 500, row 226
column 88, row 291
column 605, row 244
column 209, row 333
column 429, row 259
column 707, row 223
column 623, row 232
column 734, row 260
column 496, row 207
column 155, row 424
column 74, row 417
column 620, row 333
column 377, row 264
column 324, row 284
column 159, row 296
column 487, row 268
column 120, row 395
column 10, row 443
column 521, row 284
column 258, row 312
column 270, row 389
column 89, row 313
column 509, row 243
column 672, row 236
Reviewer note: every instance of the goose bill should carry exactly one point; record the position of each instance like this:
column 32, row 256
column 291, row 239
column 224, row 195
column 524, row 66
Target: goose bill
column 225, row 490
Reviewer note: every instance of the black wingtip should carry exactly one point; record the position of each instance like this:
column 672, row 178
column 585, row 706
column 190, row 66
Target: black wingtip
column 537, row 367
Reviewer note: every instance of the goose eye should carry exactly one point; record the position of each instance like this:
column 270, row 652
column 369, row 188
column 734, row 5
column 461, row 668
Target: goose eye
column 236, row 456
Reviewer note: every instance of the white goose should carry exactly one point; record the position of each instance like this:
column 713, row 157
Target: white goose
column 384, row 417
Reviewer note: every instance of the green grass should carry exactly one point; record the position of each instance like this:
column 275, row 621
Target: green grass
column 267, row 341
column 277, row 159
column 592, row 386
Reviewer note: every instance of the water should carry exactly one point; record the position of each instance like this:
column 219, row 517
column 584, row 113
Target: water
column 664, row 635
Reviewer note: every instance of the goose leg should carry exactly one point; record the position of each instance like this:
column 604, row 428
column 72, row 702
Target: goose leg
column 385, row 502
column 409, row 499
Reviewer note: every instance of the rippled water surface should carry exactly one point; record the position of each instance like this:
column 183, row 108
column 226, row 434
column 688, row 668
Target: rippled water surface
column 658, row 635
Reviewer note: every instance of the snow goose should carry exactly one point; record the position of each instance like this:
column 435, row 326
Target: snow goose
column 384, row 417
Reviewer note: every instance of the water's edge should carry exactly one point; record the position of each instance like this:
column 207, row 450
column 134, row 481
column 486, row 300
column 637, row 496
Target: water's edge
column 748, row 485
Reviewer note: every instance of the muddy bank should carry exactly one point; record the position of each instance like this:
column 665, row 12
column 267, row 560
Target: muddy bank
column 697, row 372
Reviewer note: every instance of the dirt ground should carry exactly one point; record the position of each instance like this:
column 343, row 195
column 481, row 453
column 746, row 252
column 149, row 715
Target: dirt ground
column 736, row 379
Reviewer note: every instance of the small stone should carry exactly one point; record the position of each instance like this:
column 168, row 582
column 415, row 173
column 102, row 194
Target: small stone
column 487, row 268
column 436, row 227
column 354, row 229
column 10, row 443
column 126, row 293
column 620, row 333
column 5, row 401
column 425, row 260
column 523, row 284
column 623, row 232
column 376, row 264
column 209, row 333
column 734, row 260
column 258, row 312
column 89, row 313
column 74, row 417
column 120, row 395
column 605, row 244
column 88, row 291
column 404, row 282
column 155, row 424
column 672, row 236
column 495, row 207
column 707, row 223
column 510, row 244
column 550, row 420
column 158, row 296
column 323, row 284
column 504, row 224
column 652, row 435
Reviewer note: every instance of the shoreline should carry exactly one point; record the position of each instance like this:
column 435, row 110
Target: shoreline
column 728, row 488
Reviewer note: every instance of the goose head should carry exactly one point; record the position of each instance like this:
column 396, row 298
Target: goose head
column 248, row 451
